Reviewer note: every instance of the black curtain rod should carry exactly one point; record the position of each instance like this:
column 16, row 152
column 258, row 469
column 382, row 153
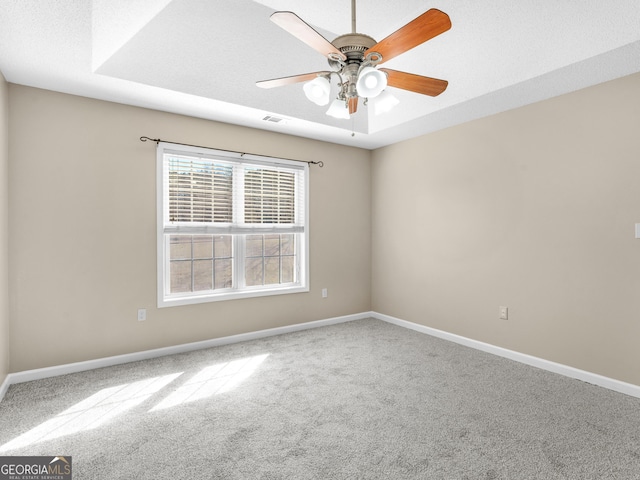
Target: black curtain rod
column 157, row 140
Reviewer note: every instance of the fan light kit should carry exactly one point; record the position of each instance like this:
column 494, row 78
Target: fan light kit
column 354, row 59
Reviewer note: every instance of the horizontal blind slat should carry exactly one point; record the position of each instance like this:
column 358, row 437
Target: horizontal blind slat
column 199, row 190
column 269, row 196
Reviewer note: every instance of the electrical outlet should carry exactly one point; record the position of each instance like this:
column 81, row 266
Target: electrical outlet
column 504, row 313
column 325, row 293
column 142, row 314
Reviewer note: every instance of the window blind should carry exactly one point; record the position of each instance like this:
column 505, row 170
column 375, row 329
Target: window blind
column 200, row 190
column 269, row 196
column 210, row 194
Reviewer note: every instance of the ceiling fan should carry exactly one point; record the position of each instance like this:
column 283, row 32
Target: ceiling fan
column 354, row 58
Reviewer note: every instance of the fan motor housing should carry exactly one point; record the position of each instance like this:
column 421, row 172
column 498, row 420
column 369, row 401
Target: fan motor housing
column 353, row 45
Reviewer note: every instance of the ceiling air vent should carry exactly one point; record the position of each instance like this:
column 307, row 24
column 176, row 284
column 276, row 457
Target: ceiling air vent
column 271, row 118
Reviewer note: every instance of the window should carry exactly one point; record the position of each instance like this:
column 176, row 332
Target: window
column 229, row 225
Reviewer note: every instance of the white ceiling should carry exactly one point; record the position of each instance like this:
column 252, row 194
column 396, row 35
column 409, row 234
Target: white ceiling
column 203, row 57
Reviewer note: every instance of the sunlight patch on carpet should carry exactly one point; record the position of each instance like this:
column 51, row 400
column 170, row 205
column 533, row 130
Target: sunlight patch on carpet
column 213, row 380
column 93, row 411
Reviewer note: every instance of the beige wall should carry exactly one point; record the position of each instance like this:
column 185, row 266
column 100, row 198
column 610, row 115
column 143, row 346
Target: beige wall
column 82, row 231
column 4, row 237
column 533, row 209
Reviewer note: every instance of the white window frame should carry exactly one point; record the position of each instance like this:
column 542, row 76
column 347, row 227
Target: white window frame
column 166, row 299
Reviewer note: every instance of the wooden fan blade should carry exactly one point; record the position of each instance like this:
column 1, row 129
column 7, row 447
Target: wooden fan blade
column 428, row 25
column 304, row 32
column 415, row 83
column 279, row 82
column 353, row 105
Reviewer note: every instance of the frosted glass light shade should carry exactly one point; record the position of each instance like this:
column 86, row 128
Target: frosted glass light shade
column 384, row 102
column 371, row 82
column 317, row 90
column 338, row 109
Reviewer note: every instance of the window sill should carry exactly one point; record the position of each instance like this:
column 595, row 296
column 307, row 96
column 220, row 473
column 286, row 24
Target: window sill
column 229, row 295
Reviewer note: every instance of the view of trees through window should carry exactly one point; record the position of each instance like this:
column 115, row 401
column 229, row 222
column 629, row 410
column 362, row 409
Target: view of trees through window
column 205, row 262
column 200, row 262
column 270, row 259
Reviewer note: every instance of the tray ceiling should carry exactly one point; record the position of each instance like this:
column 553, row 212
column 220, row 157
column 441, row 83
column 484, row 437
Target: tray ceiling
column 202, row 58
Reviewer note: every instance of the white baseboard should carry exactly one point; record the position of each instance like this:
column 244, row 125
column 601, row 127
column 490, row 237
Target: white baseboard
column 4, row 387
column 40, row 373
column 593, row 378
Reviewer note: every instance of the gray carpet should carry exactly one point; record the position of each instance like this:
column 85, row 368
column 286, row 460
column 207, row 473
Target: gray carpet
column 360, row 400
